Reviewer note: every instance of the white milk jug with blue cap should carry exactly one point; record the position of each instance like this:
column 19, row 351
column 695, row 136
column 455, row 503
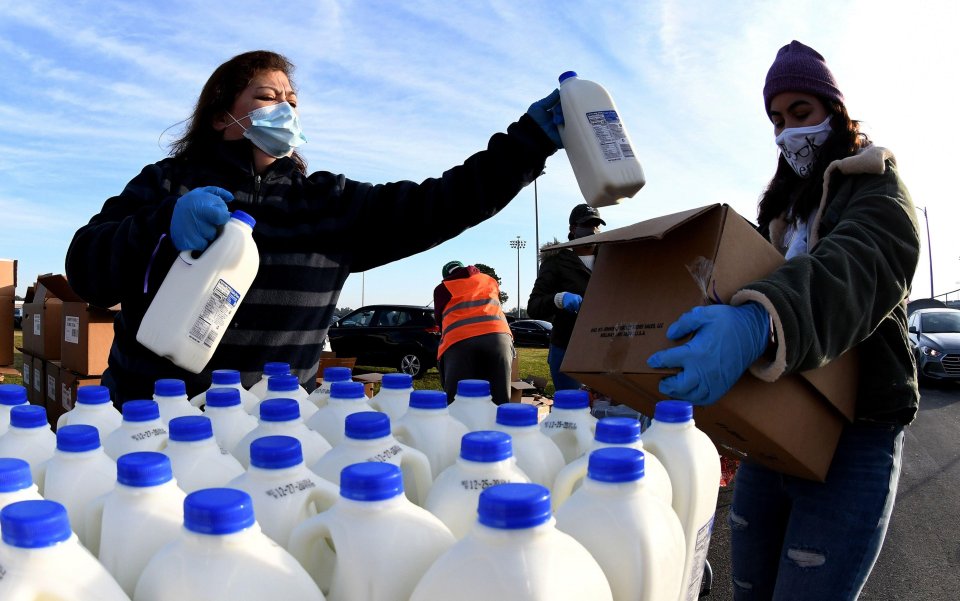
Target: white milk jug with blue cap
column 287, row 386
column 570, row 424
column 78, row 472
column 281, row 417
column 368, row 438
column 270, row 369
column 693, row 464
column 43, row 560
column 345, row 399
column 614, row 432
column 142, row 513
column 514, row 551
column 30, row 438
column 428, row 427
column 373, row 544
column 321, row 394
column 11, row 395
column 473, row 405
column 632, row 533
column 93, row 408
column 393, row 398
column 141, row 430
column 221, row 555
column 229, row 420
column 537, row 455
column 284, row 491
column 597, row 144
column 228, row 378
column 198, row 298
column 196, row 458
column 16, row 483
column 171, row 397
column 486, row 459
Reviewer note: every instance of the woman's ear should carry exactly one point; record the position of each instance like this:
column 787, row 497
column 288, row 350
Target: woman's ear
column 221, row 122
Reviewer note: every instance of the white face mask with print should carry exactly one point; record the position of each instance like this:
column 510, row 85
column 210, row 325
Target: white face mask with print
column 801, row 145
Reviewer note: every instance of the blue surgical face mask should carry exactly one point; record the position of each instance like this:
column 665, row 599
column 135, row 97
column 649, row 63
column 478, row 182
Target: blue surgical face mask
column 274, row 129
column 801, row 145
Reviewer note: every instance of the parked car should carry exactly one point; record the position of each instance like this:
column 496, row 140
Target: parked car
column 531, row 332
column 935, row 339
column 18, row 317
column 404, row 337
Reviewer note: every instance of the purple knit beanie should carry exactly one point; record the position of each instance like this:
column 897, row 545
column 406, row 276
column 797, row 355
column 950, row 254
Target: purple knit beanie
column 800, row 68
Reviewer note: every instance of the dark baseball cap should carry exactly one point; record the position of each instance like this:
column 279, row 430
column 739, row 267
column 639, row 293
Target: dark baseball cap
column 583, row 213
column 449, row 267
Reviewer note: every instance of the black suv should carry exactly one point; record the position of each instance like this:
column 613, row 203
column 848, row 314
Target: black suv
column 405, row 337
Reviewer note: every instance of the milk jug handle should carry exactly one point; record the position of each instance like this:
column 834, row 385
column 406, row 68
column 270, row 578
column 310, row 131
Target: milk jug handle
column 322, row 499
column 401, row 433
column 310, row 535
column 93, row 515
column 61, row 420
column 567, row 478
column 418, row 464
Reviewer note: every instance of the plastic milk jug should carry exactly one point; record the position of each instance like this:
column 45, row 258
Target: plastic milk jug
column 393, row 398
column 281, row 417
column 228, row 378
column 43, row 560
column 11, row 395
column 632, row 533
column 141, row 430
column 514, row 551
column 536, row 453
column 368, row 438
column 694, row 468
column 93, row 408
column 321, row 394
column 373, row 544
column 196, row 458
column 30, row 438
column 78, row 472
column 270, row 369
column 345, row 398
column 198, row 298
column 288, row 387
column 428, row 427
column 486, row 459
column 16, row 483
column 473, row 405
column 229, row 420
column 597, row 144
column 614, row 432
column 283, row 490
column 171, row 396
column 221, row 555
column 570, row 424
column 142, row 513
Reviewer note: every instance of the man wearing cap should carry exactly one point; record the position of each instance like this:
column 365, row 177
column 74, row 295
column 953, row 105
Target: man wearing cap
column 476, row 342
column 559, row 289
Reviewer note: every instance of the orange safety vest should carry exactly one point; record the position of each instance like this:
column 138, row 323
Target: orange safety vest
column 474, row 309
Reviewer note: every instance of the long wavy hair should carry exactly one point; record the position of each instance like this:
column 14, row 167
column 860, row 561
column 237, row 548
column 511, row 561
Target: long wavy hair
column 218, row 95
column 795, row 197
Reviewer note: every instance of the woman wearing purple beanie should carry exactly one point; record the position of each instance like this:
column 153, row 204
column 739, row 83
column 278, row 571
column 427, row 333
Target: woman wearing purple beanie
column 845, row 222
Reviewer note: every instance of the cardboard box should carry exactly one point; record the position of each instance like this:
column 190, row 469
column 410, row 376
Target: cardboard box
column 371, row 383
column 6, row 330
column 87, row 336
column 543, row 404
column 648, row 274
column 69, row 383
column 8, row 277
column 51, row 392
column 518, row 388
column 38, row 379
column 41, row 317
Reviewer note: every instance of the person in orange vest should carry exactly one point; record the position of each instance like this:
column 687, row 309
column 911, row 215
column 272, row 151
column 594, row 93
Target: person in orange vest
column 476, row 342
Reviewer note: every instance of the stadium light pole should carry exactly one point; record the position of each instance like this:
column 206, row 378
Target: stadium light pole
column 929, row 247
column 518, row 244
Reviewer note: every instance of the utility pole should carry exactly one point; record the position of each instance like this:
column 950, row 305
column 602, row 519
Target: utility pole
column 518, row 244
column 929, row 247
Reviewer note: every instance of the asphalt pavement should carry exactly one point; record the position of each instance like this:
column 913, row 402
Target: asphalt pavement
column 920, row 559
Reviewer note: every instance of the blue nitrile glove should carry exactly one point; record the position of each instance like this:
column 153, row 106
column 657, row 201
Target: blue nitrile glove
column 571, row 302
column 726, row 341
column 197, row 215
column 548, row 115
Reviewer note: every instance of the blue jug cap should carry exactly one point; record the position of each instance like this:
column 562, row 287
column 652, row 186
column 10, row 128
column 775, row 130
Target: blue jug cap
column 615, row 464
column 396, row 381
column 514, row 505
column 12, row 394
column 144, row 468
column 617, row 430
column 140, row 411
column 14, row 474
column 517, row 414
column 428, row 399
column 279, row 410
column 473, row 388
column 223, row 397
column 77, row 438
column 169, row 387
column 371, row 481
column 244, row 217
column 571, row 399
column 275, row 452
column 218, row 511
column 337, row 374
column 28, row 416
column 366, row 425
column 673, row 412
column 225, row 377
column 283, row 383
column 188, row 428
column 34, row 524
column 347, row 390
column 567, row 75
column 93, row 395
column 276, row 368
column 486, row 446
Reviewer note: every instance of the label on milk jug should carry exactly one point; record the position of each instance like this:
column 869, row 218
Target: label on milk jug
column 215, row 314
column 699, row 558
column 610, row 135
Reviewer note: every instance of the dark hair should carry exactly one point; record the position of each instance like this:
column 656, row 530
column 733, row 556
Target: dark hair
column 793, row 196
column 218, row 95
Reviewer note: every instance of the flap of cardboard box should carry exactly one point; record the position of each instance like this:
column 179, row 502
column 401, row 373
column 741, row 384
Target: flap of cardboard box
column 651, row 229
column 521, row 385
column 55, row 286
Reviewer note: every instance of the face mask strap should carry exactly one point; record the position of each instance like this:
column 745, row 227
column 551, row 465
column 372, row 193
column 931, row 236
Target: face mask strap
column 235, row 120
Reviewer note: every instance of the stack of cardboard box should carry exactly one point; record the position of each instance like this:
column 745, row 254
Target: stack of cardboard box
column 8, row 287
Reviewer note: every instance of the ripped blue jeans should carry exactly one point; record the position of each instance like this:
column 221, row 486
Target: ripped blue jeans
column 797, row 539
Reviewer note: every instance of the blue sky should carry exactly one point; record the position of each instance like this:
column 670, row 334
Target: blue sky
column 392, row 90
